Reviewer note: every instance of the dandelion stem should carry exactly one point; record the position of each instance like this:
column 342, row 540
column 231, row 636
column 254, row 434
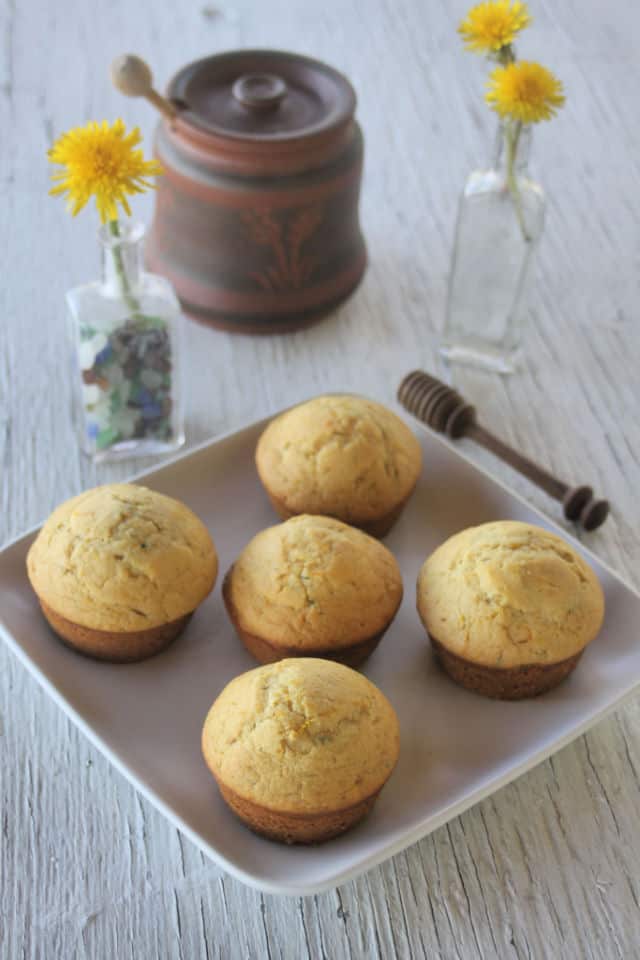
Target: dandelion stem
column 506, row 55
column 118, row 260
column 512, row 136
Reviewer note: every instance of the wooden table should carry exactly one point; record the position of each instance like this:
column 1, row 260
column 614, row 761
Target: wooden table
column 547, row 867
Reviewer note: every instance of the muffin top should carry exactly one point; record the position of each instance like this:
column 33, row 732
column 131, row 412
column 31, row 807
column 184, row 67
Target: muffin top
column 302, row 736
column 506, row 594
column 314, row 583
column 122, row 558
column 340, row 455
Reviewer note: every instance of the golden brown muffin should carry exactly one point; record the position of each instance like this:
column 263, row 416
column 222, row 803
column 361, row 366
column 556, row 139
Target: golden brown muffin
column 313, row 586
column 301, row 748
column 119, row 570
column 509, row 608
column 342, row 456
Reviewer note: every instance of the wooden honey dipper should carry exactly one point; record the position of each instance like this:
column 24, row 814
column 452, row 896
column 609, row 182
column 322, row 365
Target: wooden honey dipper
column 132, row 76
column 444, row 410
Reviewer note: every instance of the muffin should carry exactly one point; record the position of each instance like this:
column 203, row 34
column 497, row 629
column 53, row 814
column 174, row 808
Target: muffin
column 313, row 587
column 341, row 456
column 300, row 749
column 120, row 569
column 509, row 608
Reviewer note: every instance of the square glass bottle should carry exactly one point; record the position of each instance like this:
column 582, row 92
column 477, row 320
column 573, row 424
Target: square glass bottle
column 127, row 332
column 500, row 220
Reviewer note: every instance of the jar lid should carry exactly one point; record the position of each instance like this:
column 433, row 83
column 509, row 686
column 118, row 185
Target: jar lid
column 262, row 95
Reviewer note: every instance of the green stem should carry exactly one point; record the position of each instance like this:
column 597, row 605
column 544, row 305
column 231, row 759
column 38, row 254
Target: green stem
column 505, row 55
column 127, row 295
column 512, row 136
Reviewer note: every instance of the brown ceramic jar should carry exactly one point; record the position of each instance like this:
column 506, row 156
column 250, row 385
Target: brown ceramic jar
column 256, row 221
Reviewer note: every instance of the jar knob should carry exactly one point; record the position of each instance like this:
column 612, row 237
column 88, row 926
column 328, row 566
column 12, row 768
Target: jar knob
column 132, row 76
column 260, row 92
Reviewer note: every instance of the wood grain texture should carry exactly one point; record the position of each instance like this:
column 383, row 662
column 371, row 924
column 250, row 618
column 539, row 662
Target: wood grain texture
column 548, row 866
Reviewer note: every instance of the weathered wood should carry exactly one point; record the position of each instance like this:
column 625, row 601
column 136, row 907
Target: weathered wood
column 547, row 867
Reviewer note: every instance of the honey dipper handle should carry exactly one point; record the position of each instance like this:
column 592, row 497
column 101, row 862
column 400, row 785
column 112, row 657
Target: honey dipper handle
column 132, row 76
column 537, row 474
column 578, row 503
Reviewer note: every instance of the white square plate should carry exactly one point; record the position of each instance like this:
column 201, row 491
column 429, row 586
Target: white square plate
column 456, row 747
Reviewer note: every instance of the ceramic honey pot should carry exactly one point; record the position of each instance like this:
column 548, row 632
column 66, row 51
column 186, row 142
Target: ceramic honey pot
column 256, row 221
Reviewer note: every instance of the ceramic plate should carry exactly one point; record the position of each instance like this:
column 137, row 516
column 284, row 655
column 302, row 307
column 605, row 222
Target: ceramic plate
column 456, row 747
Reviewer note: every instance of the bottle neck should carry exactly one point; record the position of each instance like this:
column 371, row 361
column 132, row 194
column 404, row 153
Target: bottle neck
column 122, row 245
column 514, row 137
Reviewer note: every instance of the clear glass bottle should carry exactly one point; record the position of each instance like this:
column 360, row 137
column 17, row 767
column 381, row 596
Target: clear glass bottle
column 126, row 332
column 500, row 221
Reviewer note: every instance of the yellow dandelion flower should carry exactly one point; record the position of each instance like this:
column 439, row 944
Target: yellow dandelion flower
column 524, row 91
column 101, row 161
column 491, row 25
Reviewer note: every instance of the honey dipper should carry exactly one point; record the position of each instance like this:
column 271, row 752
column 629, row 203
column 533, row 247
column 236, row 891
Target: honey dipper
column 132, row 76
column 444, row 410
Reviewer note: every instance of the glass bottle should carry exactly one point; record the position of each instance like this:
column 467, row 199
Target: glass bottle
column 500, row 220
column 126, row 332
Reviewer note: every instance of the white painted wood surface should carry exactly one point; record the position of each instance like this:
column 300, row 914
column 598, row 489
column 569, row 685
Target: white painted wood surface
column 547, row 867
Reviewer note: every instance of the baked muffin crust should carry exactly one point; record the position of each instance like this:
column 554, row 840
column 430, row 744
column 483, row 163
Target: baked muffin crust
column 313, row 583
column 339, row 455
column 301, row 736
column 509, row 594
column 122, row 558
